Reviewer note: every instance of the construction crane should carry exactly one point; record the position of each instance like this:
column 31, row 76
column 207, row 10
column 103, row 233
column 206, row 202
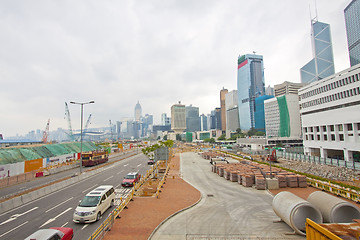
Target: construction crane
column 46, row 132
column 67, row 114
column 87, row 124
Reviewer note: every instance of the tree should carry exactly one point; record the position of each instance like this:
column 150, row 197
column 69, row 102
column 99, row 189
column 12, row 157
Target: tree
column 178, row 137
column 222, row 137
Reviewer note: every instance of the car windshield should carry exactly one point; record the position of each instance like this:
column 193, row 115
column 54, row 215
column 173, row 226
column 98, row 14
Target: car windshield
column 90, row 201
column 130, row 176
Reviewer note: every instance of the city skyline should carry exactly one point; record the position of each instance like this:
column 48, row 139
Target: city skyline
column 56, row 52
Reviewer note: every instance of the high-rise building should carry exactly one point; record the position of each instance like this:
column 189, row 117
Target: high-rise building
column 178, row 118
column 192, row 119
column 223, row 92
column 250, row 84
column 137, row 112
column 203, row 122
column 352, row 22
column 322, row 65
column 260, row 112
column 165, row 120
column 287, row 88
column 232, row 112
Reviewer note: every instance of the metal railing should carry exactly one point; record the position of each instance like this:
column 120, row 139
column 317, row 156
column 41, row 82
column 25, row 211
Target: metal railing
column 319, row 160
column 109, row 221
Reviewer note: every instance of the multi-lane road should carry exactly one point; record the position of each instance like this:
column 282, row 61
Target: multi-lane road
column 56, row 209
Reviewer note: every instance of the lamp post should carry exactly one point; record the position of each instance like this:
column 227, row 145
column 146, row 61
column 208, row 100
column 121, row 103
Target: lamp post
column 82, row 107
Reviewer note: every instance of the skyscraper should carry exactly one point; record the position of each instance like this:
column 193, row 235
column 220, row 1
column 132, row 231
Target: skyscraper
column 322, row 65
column 137, row 112
column 192, row 119
column 250, row 84
column 223, row 92
column 352, row 22
column 178, row 118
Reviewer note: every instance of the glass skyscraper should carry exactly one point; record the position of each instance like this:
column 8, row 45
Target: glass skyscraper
column 352, row 22
column 250, row 84
column 322, row 65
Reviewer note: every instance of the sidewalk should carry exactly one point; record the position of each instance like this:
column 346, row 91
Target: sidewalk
column 144, row 214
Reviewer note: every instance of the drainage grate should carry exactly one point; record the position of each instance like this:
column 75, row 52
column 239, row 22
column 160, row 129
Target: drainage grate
column 210, row 195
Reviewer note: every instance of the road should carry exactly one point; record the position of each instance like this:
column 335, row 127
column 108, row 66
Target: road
column 56, row 209
column 227, row 210
column 21, row 187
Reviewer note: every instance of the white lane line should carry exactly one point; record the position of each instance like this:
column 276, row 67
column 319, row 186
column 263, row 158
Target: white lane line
column 86, row 190
column 53, row 219
column 120, row 172
column 13, row 229
column 84, row 226
column 59, row 204
column 126, row 165
column 139, row 165
column 64, row 224
column 15, row 216
column 108, row 178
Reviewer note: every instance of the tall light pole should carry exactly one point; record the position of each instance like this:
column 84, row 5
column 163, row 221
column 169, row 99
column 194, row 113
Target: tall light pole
column 81, row 133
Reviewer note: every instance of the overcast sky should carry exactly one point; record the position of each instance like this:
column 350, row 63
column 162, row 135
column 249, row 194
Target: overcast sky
column 157, row 52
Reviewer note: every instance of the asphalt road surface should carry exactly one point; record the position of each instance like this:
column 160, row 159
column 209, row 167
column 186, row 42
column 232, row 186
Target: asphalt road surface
column 56, row 209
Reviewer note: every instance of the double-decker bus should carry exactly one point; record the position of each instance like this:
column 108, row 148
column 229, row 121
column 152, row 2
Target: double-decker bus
column 94, row 158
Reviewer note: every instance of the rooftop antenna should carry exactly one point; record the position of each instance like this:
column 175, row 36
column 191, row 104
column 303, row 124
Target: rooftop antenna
column 313, row 19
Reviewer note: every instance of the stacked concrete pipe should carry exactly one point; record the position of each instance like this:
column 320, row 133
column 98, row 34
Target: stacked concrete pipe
column 294, row 210
column 333, row 209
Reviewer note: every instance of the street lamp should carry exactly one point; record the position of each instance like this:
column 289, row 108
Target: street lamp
column 82, row 106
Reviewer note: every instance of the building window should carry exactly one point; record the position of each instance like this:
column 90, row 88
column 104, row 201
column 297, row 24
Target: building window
column 311, row 129
column 305, row 129
column 306, row 137
column 349, row 127
column 341, row 136
column 312, row 137
column 357, row 77
column 324, row 128
column 332, row 128
column 325, row 137
column 332, row 137
column 317, row 129
column 340, row 127
column 318, row 137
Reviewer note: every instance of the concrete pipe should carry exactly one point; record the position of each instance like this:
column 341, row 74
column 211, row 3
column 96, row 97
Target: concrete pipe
column 294, row 210
column 333, row 209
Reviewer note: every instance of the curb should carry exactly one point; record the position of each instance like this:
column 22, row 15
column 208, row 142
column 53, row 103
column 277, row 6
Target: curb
column 176, row 213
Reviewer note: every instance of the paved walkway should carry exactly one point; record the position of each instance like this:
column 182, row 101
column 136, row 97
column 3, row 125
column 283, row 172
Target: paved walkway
column 144, row 214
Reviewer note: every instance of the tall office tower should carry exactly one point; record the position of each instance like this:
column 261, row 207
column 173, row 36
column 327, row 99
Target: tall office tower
column 232, row 112
column 250, row 84
column 287, row 88
column 269, row 91
column 165, row 120
column 322, row 65
column 192, row 119
column 203, row 122
column 217, row 113
column 178, row 118
column 223, row 92
column 118, row 129
column 137, row 112
column 352, row 22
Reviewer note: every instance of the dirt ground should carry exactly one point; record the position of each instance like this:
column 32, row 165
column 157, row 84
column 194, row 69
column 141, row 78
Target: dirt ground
column 144, row 214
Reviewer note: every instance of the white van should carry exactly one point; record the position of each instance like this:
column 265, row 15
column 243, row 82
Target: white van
column 94, row 204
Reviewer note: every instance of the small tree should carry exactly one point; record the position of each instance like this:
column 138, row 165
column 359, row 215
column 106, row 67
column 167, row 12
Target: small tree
column 222, row 137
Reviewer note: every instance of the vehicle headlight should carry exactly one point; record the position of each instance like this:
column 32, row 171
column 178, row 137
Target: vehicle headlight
column 76, row 212
column 93, row 212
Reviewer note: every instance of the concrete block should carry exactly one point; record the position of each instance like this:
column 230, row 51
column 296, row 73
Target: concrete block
column 272, row 183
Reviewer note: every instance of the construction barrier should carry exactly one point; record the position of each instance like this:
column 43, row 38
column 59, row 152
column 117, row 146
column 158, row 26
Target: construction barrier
column 316, row 232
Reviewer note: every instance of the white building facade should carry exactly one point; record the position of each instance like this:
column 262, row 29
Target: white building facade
column 330, row 112
column 232, row 112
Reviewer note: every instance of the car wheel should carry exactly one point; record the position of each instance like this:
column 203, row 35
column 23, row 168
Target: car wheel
column 98, row 216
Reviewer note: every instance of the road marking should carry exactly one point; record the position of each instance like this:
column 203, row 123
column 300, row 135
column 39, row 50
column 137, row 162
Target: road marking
column 139, row 165
column 13, row 229
column 120, row 172
column 108, row 178
column 89, row 188
column 126, row 165
column 53, row 219
column 64, row 224
column 59, row 204
column 15, row 216
column 117, row 185
column 84, row 226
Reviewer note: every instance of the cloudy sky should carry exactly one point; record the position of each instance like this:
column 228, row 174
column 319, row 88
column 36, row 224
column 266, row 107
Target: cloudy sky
column 157, row 52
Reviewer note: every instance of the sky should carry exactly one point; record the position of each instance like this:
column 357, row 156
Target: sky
column 157, row 52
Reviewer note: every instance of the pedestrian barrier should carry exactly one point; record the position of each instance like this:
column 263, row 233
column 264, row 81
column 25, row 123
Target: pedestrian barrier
column 109, row 221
